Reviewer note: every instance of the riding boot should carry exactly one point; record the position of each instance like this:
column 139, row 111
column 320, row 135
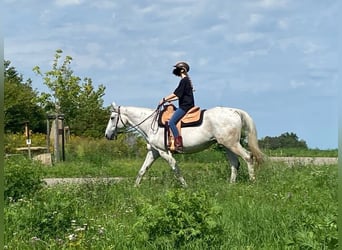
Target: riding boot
column 179, row 144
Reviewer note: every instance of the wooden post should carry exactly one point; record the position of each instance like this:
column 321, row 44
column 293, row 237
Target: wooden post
column 56, row 140
column 28, row 140
column 47, row 135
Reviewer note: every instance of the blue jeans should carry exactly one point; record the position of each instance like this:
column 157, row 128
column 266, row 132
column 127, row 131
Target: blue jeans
column 177, row 115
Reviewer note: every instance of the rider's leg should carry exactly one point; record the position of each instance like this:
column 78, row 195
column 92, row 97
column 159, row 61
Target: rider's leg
column 179, row 113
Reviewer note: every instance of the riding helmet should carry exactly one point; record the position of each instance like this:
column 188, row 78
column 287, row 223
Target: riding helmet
column 179, row 66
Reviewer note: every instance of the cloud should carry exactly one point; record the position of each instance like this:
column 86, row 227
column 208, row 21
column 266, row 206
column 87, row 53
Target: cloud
column 310, row 47
column 283, row 24
column 271, row 4
column 255, row 19
column 297, row 84
column 248, row 37
column 63, row 3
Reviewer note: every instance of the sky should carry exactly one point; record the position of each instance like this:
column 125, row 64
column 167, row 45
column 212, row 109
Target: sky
column 275, row 59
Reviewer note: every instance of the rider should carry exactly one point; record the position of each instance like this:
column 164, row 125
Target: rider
column 184, row 94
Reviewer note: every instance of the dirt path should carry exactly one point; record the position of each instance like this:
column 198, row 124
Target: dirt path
column 306, row 160
column 56, row 181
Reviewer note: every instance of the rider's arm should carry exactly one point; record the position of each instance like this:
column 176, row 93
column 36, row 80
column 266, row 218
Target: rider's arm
column 169, row 98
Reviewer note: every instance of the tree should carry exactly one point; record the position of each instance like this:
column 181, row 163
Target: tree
column 79, row 101
column 285, row 140
column 92, row 117
column 20, row 103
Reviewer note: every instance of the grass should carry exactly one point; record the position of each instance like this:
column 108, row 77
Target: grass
column 286, row 208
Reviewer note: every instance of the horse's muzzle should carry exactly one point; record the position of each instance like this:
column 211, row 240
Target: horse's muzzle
column 110, row 137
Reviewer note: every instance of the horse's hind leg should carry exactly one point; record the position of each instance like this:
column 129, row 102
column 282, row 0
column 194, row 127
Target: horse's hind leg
column 151, row 156
column 238, row 150
column 246, row 155
column 234, row 164
column 173, row 164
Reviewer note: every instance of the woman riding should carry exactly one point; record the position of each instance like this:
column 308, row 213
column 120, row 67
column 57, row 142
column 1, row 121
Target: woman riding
column 184, row 94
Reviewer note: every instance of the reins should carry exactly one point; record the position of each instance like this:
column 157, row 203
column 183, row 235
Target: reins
column 155, row 113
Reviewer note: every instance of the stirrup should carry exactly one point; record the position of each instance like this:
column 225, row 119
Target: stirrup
column 179, row 149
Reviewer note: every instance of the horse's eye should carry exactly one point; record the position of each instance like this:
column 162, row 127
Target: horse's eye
column 112, row 118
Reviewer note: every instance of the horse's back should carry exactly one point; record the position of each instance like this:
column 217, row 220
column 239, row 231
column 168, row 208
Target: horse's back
column 223, row 114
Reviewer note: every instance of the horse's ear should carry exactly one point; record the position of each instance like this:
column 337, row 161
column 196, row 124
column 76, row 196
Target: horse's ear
column 114, row 106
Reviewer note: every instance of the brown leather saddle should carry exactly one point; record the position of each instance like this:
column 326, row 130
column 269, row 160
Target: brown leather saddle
column 193, row 117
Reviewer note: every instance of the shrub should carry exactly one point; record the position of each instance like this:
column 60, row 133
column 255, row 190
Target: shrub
column 49, row 214
column 22, row 178
column 100, row 151
column 180, row 219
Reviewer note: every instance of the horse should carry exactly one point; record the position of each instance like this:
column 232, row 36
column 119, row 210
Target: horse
column 220, row 125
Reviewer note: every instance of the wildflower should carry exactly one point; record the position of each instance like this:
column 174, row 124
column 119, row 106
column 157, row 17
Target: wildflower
column 34, row 239
column 79, row 229
column 101, row 231
column 72, row 237
column 59, row 241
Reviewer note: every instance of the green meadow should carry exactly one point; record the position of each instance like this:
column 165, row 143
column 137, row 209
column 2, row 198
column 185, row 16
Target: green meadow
column 285, row 208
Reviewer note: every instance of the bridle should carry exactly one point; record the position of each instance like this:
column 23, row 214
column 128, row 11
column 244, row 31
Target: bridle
column 155, row 113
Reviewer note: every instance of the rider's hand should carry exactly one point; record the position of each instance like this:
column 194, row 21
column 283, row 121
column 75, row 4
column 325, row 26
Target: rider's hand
column 162, row 101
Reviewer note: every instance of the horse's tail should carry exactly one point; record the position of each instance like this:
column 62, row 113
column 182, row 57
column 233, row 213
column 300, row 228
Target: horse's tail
column 253, row 145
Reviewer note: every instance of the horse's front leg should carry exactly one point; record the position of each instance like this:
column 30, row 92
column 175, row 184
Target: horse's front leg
column 151, row 156
column 173, row 164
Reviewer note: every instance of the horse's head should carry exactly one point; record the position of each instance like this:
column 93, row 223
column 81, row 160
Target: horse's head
column 115, row 122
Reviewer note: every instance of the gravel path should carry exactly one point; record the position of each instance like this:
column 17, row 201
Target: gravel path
column 56, row 181
column 306, row 160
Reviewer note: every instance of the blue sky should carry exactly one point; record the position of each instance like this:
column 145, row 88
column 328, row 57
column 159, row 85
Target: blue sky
column 276, row 59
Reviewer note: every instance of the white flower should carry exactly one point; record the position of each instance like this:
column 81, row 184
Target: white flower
column 72, row 237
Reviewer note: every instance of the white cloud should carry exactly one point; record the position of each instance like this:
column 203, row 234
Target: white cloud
column 272, row 4
column 310, row 47
column 104, row 4
column 297, row 84
column 257, row 52
column 255, row 19
column 283, row 24
column 248, row 37
column 63, row 3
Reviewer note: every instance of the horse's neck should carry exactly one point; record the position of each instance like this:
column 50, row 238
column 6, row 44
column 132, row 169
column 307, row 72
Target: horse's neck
column 139, row 117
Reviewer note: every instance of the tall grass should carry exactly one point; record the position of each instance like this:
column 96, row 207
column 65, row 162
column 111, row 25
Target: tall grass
column 286, row 208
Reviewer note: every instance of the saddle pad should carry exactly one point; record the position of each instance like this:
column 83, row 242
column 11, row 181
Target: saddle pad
column 193, row 117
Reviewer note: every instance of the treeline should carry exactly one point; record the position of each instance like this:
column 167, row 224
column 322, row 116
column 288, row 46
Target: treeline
column 76, row 98
column 284, row 141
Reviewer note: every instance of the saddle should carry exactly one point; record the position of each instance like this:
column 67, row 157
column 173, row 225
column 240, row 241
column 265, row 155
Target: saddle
column 193, row 117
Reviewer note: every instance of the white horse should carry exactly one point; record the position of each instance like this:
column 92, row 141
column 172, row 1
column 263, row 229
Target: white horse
column 221, row 124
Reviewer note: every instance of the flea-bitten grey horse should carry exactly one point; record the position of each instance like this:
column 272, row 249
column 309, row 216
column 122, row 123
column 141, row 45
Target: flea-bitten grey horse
column 220, row 125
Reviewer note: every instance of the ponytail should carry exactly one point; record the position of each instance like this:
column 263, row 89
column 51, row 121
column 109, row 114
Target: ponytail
column 192, row 86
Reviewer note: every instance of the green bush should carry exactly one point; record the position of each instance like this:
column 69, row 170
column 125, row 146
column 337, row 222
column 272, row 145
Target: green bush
column 50, row 216
column 23, row 178
column 100, row 151
column 181, row 219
